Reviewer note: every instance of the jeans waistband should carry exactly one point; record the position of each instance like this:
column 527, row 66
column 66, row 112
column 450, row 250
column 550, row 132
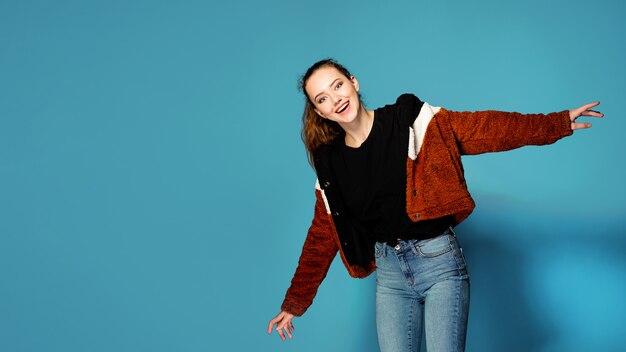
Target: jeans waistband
column 449, row 231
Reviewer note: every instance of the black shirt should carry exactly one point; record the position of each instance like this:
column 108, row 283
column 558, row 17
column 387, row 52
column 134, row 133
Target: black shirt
column 372, row 180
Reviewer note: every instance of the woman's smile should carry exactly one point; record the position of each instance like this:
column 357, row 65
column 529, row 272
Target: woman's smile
column 343, row 108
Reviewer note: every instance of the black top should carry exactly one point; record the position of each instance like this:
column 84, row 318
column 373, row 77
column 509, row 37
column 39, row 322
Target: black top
column 372, row 179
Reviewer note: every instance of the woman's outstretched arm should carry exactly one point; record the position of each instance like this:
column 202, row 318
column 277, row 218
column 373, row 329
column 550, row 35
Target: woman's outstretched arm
column 318, row 252
column 493, row 131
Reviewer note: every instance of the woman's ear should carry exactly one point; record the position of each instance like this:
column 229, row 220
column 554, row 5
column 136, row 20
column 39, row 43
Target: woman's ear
column 318, row 112
column 355, row 83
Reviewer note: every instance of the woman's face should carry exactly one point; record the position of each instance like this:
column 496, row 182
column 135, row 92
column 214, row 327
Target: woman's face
column 334, row 96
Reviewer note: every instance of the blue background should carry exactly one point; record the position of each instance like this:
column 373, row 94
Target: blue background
column 154, row 191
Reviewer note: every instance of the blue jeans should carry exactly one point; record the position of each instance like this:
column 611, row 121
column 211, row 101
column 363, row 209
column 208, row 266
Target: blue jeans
column 422, row 284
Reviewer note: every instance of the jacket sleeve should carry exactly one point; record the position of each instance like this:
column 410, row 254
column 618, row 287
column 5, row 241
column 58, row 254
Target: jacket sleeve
column 318, row 252
column 492, row 131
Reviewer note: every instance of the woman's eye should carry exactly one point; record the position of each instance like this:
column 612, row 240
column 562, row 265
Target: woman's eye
column 321, row 100
column 338, row 85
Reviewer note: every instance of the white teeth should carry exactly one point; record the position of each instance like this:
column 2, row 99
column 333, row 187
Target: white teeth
column 343, row 108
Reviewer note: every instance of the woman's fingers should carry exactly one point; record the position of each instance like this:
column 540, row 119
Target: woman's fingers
column 275, row 320
column 589, row 106
column 280, row 333
column 282, row 329
column 288, row 331
column 577, row 126
column 269, row 327
column 592, row 113
column 284, row 325
column 584, row 110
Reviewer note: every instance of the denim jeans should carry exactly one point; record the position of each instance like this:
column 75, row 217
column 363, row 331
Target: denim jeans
column 422, row 284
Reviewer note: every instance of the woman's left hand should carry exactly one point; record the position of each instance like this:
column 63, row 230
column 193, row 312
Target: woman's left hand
column 583, row 111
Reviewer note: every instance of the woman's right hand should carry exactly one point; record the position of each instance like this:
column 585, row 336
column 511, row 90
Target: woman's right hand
column 283, row 324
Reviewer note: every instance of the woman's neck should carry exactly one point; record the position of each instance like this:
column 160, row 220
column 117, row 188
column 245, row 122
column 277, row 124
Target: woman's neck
column 358, row 130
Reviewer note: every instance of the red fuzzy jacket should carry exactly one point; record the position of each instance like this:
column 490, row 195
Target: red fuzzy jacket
column 435, row 185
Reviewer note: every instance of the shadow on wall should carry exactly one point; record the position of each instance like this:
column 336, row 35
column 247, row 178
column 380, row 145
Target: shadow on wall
column 549, row 291
column 500, row 314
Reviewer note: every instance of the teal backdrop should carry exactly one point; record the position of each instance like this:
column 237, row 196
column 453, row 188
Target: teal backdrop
column 155, row 194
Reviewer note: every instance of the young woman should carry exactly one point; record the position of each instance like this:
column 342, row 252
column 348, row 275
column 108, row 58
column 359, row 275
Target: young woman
column 390, row 189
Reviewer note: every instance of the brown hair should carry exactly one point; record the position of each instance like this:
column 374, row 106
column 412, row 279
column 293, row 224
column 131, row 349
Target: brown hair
column 317, row 130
